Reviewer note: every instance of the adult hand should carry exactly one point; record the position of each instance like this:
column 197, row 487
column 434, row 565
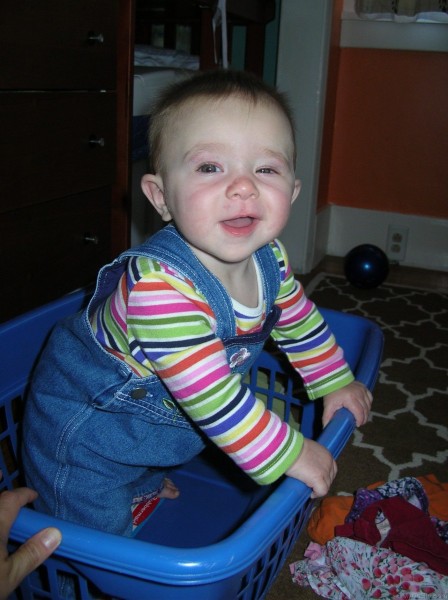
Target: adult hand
column 14, row 567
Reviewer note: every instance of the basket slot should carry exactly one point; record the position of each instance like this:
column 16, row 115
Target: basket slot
column 55, row 580
column 279, row 389
column 10, row 417
column 257, row 581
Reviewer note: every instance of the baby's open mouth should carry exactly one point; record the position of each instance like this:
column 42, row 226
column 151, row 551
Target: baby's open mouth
column 239, row 222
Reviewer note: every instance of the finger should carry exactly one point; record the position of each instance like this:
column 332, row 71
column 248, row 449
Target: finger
column 362, row 418
column 366, row 408
column 33, row 553
column 10, row 504
column 327, row 416
column 334, row 470
column 320, row 488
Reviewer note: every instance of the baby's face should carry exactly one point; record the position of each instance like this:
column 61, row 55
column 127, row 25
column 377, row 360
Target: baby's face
column 228, row 177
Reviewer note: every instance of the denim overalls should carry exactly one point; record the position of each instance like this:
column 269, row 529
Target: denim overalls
column 95, row 434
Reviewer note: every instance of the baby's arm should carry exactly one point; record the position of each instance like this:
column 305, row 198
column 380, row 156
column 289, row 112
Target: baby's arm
column 354, row 396
column 315, row 467
column 303, row 335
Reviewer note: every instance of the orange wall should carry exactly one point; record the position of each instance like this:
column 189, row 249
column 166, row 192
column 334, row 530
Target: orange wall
column 385, row 144
column 330, row 104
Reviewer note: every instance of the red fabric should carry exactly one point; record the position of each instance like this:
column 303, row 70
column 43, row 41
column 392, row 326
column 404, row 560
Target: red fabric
column 411, row 533
column 333, row 510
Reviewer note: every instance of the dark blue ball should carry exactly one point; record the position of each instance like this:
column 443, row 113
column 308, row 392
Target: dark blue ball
column 366, row 266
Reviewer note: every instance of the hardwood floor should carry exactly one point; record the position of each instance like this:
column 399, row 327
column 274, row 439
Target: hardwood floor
column 424, row 278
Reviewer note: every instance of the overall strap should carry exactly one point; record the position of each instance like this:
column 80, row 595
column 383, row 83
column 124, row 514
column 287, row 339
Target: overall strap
column 270, row 274
column 169, row 246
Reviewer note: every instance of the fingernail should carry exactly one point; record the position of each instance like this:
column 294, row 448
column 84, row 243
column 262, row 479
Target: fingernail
column 51, row 538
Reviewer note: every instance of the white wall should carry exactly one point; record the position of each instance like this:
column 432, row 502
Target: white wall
column 428, row 32
column 304, row 39
column 339, row 229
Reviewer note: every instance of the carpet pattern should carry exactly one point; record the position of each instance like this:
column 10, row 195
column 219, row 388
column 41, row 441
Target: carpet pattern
column 408, row 430
column 407, row 434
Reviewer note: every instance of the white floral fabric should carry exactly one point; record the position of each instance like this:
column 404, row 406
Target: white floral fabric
column 345, row 569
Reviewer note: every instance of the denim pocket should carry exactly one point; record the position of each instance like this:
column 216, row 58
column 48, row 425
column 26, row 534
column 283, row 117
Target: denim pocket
column 146, row 398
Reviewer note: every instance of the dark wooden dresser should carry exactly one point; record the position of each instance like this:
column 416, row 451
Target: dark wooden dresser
column 64, row 145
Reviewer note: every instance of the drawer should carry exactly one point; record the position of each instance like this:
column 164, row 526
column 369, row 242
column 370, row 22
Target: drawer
column 55, row 144
column 51, row 249
column 58, row 44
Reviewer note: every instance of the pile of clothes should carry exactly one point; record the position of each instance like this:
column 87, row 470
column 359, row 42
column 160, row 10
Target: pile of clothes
column 388, row 541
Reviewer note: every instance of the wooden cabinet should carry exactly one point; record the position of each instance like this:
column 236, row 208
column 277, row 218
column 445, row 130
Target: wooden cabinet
column 55, row 144
column 64, row 145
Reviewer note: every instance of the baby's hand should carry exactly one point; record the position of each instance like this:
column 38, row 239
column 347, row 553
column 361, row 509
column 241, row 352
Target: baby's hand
column 315, row 467
column 354, row 396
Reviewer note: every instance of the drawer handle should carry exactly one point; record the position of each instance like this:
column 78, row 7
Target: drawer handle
column 95, row 38
column 91, row 239
column 95, row 141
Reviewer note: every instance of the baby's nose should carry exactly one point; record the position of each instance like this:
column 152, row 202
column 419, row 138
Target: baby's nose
column 243, row 187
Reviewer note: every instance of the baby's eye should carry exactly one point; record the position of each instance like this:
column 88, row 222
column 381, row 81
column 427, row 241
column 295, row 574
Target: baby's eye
column 267, row 170
column 208, row 168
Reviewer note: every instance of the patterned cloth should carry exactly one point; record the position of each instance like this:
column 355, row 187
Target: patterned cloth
column 396, row 524
column 408, row 488
column 334, row 510
column 345, row 569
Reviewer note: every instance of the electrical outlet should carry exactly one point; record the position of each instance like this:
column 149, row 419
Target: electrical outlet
column 397, row 241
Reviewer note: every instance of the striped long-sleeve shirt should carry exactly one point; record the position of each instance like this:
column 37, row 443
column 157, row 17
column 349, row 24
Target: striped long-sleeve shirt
column 158, row 322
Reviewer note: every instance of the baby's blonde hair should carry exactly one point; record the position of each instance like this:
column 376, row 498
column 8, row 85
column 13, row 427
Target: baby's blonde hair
column 218, row 84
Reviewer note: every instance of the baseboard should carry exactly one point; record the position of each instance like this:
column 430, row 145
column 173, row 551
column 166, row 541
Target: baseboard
column 339, row 229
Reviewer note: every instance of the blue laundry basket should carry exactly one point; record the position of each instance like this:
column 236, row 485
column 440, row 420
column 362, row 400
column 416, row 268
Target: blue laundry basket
column 224, row 537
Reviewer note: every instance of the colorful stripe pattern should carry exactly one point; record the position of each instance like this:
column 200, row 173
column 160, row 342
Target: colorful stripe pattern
column 157, row 322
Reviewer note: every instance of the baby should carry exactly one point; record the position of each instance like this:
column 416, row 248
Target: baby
column 153, row 370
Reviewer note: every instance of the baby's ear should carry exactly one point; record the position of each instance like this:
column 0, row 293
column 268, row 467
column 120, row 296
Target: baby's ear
column 152, row 186
column 296, row 191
